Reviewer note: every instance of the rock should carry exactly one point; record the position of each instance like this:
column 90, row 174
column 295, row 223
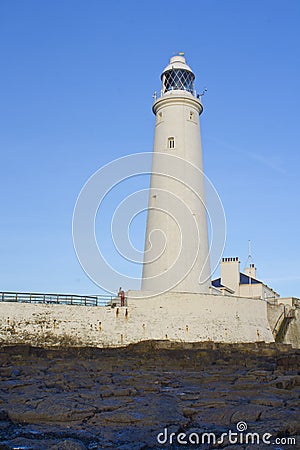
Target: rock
column 268, row 401
column 49, row 411
column 247, row 413
column 189, row 412
column 286, row 382
column 121, row 418
column 122, row 398
column 3, row 414
column 69, row 444
column 26, row 444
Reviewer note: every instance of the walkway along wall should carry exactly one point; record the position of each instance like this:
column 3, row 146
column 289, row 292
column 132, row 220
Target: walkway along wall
column 176, row 317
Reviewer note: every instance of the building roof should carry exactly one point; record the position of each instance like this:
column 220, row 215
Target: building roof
column 217, row 283
column 245, row 279
column 177, row 62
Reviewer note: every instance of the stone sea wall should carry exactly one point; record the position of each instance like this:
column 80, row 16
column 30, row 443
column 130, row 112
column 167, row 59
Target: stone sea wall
column 180, row 317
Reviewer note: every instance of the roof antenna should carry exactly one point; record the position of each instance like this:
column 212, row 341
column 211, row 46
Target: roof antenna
column 249, row 259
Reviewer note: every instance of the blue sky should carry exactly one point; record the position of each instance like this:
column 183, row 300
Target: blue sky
column 76, row 81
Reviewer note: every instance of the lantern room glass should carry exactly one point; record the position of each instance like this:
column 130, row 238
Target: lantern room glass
column 178, row 79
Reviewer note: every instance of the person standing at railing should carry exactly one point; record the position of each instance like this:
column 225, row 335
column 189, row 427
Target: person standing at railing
column 121, row 294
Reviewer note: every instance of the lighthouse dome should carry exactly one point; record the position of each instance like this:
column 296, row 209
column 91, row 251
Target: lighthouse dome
column 177, row 75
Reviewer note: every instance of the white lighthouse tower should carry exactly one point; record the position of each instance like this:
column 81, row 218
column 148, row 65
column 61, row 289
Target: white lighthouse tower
column 176, row 246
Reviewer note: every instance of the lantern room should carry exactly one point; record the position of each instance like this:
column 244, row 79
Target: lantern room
column 178, row 76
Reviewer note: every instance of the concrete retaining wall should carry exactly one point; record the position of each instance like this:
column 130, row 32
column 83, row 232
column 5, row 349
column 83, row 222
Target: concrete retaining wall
column 293, row 333
column 174, row 316
column 275, row 315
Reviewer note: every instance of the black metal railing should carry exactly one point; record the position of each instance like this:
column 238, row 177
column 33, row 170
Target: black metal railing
column 60, row 299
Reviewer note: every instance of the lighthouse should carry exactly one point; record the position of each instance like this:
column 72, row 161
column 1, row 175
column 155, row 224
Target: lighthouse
column 176, row 253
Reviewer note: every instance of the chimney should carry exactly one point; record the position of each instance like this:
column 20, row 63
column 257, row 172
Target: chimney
column 251, row 271
column 230, row 273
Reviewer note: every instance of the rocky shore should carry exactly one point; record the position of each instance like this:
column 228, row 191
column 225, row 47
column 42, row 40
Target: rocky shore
column 88, row 398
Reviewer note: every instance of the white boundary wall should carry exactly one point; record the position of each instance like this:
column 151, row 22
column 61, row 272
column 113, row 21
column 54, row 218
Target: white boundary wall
column 181, row 317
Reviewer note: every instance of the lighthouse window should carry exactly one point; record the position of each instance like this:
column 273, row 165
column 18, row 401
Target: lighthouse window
column 171, row 142
column 178, row 79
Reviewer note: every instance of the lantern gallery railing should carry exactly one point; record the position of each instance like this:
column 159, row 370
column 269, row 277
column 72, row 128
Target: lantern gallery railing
column 60, row 299
column 157, row 95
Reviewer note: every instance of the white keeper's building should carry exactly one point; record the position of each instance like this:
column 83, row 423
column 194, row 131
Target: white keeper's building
column 243, row 284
